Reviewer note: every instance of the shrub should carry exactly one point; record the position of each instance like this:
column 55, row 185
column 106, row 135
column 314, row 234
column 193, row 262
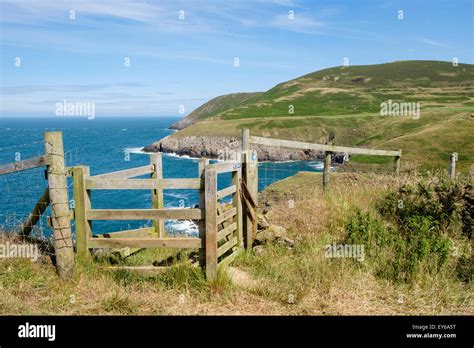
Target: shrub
column 444, row 201
column 421, row 222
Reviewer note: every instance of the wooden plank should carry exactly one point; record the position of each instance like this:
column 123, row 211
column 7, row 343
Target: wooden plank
column 120, row 184
column 327, row 169
column 202, row 163
column 227, row 191
column 36, row 213
column 157, row 199
column 82, row 203
column 30, row 163
column 142, row 184
column 226, row 247
column 229, row 259
column 145, row 214
column 58, row 195
column 452, row 165
column 237, row 201
column 250, row 177
column 248, row 195
column 396, row 165
column 136, row 233
column 224, row 167
column 250, row 210
column 220, row 211
column 126, row 173
column 145, row 270
column 245, row 139
column 226, row 231
column 321, row 147
column 226, row 215
column 211, row 223
column 151, row 242
column 173, row 184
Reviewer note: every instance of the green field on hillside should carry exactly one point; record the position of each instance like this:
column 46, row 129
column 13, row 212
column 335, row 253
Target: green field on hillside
column 343, row 105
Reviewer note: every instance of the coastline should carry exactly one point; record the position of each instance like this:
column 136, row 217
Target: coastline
column 224, row 147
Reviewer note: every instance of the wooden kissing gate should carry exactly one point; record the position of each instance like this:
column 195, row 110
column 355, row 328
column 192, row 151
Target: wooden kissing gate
column 221, row 231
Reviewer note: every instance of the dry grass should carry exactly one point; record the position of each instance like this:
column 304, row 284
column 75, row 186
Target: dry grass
column 289, row 281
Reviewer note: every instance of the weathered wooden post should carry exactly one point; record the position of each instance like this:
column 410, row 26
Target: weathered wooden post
column 156, row 159
column 250, row 177
column 452, row 167
column 396, row 164
column 236, row 201
column 58, row 195
column 211, row 223
column 245, row 139
column 202, row 163
column 82, row 203
column 327, row 169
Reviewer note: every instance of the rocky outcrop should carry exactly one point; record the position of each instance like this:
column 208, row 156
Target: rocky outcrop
column 269, row 234
column 225, row 148
column 181, row 124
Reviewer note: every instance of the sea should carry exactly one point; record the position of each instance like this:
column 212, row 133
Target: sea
column 108, row 144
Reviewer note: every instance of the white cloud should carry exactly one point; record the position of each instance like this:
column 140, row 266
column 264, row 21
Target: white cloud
column 435, row 43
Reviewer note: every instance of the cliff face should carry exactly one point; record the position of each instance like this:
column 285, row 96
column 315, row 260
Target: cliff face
column 224, row 148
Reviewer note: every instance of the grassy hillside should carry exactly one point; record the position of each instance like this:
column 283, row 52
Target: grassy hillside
column 214, row 107
column 285, row 281
column 342, row 104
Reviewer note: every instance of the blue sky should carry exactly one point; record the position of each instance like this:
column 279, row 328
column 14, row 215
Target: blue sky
column 186, row 61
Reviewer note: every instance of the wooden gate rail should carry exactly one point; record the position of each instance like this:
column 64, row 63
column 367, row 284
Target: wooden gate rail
column 223, row 229
column 328, row 150
column 138, row 238
column 126, row 173
column 39, row 161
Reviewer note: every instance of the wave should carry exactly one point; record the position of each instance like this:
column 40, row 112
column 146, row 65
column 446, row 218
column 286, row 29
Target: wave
column 177, row 195
column 187, row 227
column 138, row 150
column 317, row 165
column 175, row 155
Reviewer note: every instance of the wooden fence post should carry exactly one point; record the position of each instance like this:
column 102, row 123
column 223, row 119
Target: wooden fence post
column 396, row 164
column 58, row 194
column 245, row 139
column 250, row 177
column 82, row 203
column 156, row 159
column 202, row 163
column 211, row 223
column 452, row 167
column 327, row 169
column 236, row 201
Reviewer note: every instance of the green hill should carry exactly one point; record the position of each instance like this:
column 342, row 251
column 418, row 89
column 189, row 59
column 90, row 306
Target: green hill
column 343, row 104
column 214, row 107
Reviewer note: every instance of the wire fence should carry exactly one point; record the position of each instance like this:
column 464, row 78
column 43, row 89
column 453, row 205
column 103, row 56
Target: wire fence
column 25, row 206
column 272, row 174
